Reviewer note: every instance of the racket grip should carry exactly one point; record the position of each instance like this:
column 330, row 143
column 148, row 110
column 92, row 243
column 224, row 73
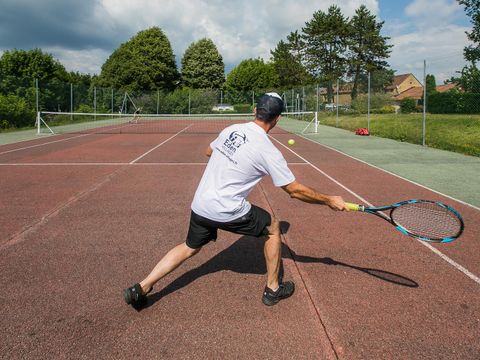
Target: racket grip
column 354, row 207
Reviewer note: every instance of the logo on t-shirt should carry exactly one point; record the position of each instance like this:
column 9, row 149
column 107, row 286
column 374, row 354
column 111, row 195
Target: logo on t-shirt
column 234, row 141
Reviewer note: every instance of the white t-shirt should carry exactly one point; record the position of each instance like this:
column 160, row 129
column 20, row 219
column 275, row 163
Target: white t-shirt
column 242, row 155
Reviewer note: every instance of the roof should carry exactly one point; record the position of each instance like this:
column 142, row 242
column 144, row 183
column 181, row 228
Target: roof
column 417, row 92
column 398, row 80
column 446, row 87
column 413, row 93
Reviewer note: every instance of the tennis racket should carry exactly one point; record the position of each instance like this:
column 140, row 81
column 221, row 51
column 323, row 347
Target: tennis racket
column 421, row 219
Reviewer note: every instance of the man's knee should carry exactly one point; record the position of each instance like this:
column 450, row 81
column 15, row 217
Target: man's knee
column 191, row 251
column 274, row 228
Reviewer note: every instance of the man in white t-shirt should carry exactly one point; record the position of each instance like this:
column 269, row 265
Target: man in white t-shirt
column 239, row 157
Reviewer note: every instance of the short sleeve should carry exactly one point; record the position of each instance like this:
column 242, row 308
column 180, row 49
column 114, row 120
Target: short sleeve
column 277, row 168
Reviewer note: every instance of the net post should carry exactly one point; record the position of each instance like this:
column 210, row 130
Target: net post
column 38, row 123
column 316, row 122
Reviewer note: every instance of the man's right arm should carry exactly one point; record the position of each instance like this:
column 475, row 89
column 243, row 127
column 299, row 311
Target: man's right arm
column 309, row 195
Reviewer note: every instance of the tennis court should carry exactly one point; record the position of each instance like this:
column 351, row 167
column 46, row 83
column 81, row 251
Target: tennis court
column 86, row 214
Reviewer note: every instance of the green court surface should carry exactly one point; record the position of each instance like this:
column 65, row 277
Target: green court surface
column 448, row 173
column 16, row 136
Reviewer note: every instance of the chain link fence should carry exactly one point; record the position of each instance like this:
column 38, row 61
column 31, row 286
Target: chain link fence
column 398, row 110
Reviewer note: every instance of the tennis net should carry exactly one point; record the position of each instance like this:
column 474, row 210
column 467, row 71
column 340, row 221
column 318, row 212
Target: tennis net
column 61, row 122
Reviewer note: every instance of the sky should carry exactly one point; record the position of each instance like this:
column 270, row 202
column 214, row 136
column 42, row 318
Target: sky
column 83, row 34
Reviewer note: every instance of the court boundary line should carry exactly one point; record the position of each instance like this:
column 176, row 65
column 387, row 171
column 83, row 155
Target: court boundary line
column 392, row 173
column 42, row 144
column 444, row 257
column 163, row 142
column 302, row 279
column 121, row 164
column 58, row 134
column 20, row 236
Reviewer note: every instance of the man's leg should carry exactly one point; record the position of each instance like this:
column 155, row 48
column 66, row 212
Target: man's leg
column 136, row 295
column 275, row 291
column 173, row 259
column 273, row 253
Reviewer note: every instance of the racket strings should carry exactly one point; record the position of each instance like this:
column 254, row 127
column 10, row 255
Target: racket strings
column 427, row 220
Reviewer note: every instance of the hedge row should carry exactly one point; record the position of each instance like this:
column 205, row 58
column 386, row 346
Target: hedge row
column 453, row 103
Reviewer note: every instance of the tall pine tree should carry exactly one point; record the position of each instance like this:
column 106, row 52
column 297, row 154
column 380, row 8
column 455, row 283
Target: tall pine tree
column 326, row 39
column 367, row 48
column 287, row 60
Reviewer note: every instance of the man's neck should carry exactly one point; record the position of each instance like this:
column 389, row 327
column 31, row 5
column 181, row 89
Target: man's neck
column 265, row 126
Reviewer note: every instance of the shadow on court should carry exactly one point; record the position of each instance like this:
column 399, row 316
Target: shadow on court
column 245, row 256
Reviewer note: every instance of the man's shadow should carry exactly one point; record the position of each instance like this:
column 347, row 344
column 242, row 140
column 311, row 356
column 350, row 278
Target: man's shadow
column 245, row 256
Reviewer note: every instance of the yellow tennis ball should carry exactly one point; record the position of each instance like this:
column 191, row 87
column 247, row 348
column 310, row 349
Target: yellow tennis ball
column 291, row 142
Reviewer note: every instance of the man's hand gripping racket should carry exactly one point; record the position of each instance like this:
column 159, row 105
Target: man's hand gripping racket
column 421, row 219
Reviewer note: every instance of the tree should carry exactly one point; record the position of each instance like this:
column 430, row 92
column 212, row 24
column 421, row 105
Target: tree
column 379, row 80
column 431, row 84
column 472, row 52
column 202, row 66
column 470, row 74
column 251, row 74
column 287, row 61
column 326, row 39
column 367, row 48
column 145, row 62
column 20, row 68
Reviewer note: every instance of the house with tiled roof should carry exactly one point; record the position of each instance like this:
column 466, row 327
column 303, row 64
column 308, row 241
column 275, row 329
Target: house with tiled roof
column 402, row 83
column 407, row 86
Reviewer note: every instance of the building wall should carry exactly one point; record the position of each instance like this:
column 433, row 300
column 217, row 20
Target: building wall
column 408, row 83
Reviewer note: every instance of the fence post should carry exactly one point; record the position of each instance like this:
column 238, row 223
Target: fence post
column 71, row 101
column 338, row 84
column 368, row 106
column 36, row 95
column 424, row 100
column 95, row 103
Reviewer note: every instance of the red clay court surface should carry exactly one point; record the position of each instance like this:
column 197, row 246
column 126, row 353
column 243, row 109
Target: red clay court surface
column 84, row 217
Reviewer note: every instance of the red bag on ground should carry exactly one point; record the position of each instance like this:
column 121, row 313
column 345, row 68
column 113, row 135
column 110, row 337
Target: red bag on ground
column 362, row 131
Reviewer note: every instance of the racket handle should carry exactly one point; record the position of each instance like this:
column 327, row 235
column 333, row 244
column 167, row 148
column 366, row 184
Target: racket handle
column 354, row 207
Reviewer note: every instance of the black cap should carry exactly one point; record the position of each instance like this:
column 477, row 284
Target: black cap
column 269, row 106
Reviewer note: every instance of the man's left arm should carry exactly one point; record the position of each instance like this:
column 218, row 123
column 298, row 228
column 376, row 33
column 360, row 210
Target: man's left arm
column 209, row 151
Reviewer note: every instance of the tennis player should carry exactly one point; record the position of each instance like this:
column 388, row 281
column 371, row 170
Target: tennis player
column 240, row 157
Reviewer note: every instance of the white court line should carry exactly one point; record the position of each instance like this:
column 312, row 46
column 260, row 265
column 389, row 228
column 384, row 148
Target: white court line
column 163, row 142
column 434, row 250
column 391, row 173
column 70, row 138
column 119, row 164
column 50, row 142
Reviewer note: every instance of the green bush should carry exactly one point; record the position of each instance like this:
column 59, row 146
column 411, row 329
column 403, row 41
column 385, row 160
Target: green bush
column 445, row 103
column 387, row 109
column 408, row 105
column 471, row 102
column 15, row 112
column 243, row 108
column 84, row 108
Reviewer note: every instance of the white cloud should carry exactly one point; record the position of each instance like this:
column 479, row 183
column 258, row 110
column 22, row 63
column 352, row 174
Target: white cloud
column 442, row 48
column 85, row 61
column 240, row 29
column 430, row 11
column 84, row 36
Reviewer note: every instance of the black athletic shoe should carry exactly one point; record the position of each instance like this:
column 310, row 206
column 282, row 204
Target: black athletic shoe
column 284, row 291
column 134, row 296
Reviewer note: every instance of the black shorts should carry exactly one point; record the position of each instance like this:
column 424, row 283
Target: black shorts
column 203, row 230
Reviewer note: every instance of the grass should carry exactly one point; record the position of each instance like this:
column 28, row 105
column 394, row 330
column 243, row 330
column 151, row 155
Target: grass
column 457, row 133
